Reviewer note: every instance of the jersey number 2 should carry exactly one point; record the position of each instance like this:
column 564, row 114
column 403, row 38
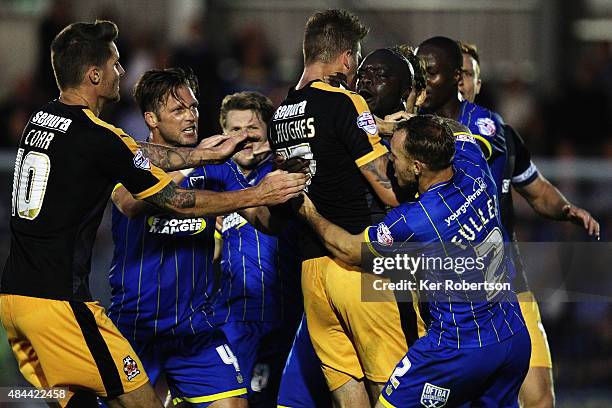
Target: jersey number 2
column 30, row 183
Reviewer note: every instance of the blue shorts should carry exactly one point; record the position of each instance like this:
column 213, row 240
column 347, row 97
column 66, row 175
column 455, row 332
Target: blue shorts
column 261, row 349
column 303, row 383
column 433, row 376
column 200, row 369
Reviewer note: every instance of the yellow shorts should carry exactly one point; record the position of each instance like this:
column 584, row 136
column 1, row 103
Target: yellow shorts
column 540, row 352
column 61, row 343
column 352, row 338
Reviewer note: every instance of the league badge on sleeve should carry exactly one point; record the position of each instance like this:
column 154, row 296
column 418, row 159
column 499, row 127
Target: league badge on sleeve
column 434, row 396
column 141, row 161
column 366, row 122
column 383, row 235
column 486, row 126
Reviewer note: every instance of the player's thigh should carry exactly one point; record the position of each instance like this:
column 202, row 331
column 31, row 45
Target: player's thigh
column 374, row 327
column 243, row 339
column 540, row 351
column 302, row 382
column 330, row 339
column 352, row 394
column 430, row 375
column 203, row 369
column 502, row 390
column 537, row 390
column 90, row 354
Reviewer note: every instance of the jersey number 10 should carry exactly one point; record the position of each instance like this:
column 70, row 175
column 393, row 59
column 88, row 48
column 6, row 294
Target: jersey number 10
column 30, row 183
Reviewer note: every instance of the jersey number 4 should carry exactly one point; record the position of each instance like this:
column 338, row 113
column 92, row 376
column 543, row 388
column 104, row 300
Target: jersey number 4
column 30, row 183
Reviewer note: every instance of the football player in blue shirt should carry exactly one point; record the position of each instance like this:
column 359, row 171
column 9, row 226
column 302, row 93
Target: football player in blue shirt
column 477, row 347
column 511, row 165
column 261, row 305
column 161, row 275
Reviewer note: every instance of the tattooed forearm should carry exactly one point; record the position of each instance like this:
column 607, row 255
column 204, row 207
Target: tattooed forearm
column 169, row 158
column 174, row 198
column 378, row 170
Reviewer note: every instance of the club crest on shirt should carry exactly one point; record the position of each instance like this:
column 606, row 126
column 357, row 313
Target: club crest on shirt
column 366, row 122
column 141, row 162
column 130, row 368
column 383, row 235
column 486, row 126
column 434, row 396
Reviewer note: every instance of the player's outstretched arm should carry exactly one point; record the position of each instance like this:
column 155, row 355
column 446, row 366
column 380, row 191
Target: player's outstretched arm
column 548, row 201
column 376, row 174
column 279, row 186
column 132, row 207
column 214, row 149
column 342, row 244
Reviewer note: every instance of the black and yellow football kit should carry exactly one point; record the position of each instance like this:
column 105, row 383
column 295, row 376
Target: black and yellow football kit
column 67, row 164
column 334, row 129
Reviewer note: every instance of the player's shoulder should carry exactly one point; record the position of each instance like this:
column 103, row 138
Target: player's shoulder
column 101, row 128
column 480, row 119
column 342, row 96
column 474, row 174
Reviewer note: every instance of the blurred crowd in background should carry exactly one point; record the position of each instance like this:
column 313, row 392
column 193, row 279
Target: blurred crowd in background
column 574, row 121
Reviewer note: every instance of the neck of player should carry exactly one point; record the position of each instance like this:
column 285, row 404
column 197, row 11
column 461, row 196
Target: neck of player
column 450, row 109
column 78, row 97
column 317, row 70
column 429, row 178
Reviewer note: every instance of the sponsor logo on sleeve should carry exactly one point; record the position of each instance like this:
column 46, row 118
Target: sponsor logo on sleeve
column 486, row 126
column 434, row 396
column 465, row 137
column 366, row 122
column 383, row 235
column 141, row 162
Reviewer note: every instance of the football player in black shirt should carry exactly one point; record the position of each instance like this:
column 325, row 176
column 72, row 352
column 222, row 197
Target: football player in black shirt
column 67, row 163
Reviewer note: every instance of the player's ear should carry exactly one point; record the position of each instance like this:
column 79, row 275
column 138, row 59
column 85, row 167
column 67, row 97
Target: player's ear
column 477, row 87
column 417, row 168
column 94, row 75
column 150, row 119
column 346, row 59
column 457, row 76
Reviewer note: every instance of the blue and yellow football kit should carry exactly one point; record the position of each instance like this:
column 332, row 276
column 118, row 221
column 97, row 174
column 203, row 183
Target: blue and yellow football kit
column 477, row 348
column 261, row 302
column 162, row 293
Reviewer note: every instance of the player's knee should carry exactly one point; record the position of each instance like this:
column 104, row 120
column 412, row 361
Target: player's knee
column 83, row 399
column 537, row 390
column 142, row 397
column 543, row 400
column 230, row 403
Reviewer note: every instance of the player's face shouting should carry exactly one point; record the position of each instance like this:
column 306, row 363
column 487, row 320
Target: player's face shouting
column 248, row 122
column 178, row 118
column 378, row 82
column 469, row 86
column 111, row 76
column 442, row 82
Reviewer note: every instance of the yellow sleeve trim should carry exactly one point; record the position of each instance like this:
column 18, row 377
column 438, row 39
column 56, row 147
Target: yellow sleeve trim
column 218, row 235
column 377, row 151
column 133, row 146
column 369, row 243
column 154, row 189
column 358, row 101
column 486, row 143
column 385, row 403
column 117, row 186
column 212, row 397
